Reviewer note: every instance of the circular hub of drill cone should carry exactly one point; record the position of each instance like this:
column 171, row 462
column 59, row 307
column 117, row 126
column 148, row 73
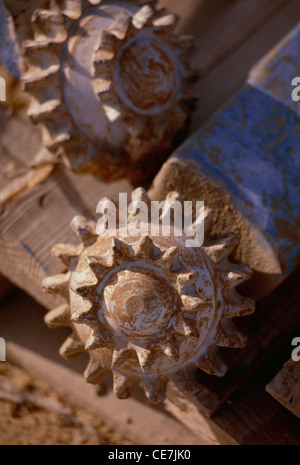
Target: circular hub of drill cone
column 139, row 303
column 147, row 75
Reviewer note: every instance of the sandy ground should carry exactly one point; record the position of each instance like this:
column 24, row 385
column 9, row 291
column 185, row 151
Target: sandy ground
column 36, row 415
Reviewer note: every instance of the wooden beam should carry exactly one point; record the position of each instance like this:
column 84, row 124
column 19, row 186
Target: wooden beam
column 249, row 417
column 220, row 27
column 230, row 37
column 285, row 387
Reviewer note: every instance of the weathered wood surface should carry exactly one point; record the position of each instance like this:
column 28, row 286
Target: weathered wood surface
column 230, row 37
column 250, row 416
column 285, row 387
column 220, row 27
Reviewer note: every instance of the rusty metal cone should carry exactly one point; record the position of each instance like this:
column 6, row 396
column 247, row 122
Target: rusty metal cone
column 110, row 84
column 147, row 307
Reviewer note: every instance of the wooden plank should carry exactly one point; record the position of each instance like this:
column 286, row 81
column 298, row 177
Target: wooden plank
column 249, row 417
column 285, row 387
column 188, row 413
column 221, row 26
column 254, row 418
column 226, row 77
column 229, row 38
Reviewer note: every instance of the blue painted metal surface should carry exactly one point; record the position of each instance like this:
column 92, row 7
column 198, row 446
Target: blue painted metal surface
column 9, row 50
column 252, row 145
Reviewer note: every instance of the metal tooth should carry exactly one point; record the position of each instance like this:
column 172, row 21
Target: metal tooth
column 145, row 248
column 183, row 43
column 50, row 25
column 121, row 26
column 230, row 336
column 71, row 347
column 168, row 21
column 120, row 356
column 193, row 304
column 58, row 285
column 221, row 250
column 140, row 194
column 65, row 253
column 58, row 317
column 111, row 107
column 142, row 17
column 71, row 8
column 43, row 53
column 121, row 249
column 144, row 318
column 171, row 349
column 101, row 339
column 155, row 390
column 169, row 257
column 123, row 385
column 146, row 359
column 187, row 279
column 233, row 278
column 94, row 372
column 106, row 50
column 238, row 306
column 84, row 229
column 211, row 363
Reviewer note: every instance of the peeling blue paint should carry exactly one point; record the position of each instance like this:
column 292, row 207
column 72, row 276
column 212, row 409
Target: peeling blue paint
column 252, row 145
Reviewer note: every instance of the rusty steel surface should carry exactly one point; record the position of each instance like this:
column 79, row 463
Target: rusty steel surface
column 252, row 147
column 109, row 83
column 148, row 307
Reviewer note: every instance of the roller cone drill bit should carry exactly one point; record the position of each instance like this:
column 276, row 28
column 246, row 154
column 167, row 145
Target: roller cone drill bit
column 110, row 84
column 147, row 307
